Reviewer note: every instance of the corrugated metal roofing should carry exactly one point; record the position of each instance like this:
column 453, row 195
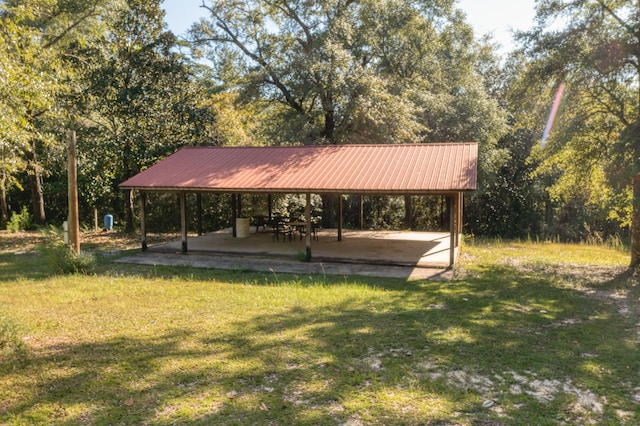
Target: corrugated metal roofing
column 388, row 169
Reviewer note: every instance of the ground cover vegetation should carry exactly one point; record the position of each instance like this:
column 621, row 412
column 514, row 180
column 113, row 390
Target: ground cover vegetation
column 526, row 333
column 340, row 71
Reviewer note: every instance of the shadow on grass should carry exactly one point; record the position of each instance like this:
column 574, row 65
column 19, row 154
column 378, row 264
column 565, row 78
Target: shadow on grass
column 503, row 347
column 22, row 266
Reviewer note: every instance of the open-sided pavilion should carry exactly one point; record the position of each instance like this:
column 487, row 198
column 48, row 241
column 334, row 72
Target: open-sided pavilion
column 444, row 169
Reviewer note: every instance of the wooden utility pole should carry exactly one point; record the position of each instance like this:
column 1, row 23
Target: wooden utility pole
column 74, row 222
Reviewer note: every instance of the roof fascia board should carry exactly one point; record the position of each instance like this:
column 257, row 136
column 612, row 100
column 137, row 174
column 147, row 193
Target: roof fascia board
column 319, row 192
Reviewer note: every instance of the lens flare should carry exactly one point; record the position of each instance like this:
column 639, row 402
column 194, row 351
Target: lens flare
column 552, row 114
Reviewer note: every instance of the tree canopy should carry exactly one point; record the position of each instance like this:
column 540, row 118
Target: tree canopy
column 354, row 71
column 597, row 144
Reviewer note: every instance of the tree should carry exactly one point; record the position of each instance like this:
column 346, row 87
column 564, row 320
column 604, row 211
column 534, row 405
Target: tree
column 28, row 97
column 10, row 126
column 354, row 71
column 345, row 71
column 598, row 54
column 34, row 35
column 141, row 99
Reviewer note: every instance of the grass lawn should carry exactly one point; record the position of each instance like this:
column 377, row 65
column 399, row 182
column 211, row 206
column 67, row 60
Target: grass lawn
column 526, row 334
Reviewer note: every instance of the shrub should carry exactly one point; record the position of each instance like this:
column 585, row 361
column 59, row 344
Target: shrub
column 61, row 259
column 20, row 221
column 83, row 263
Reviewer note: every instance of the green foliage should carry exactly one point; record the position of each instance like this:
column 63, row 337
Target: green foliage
column 510, row 201
column 359, row 71
column 73, row 263
column 383, row 212
column 35, row 43
column 141, row 102
column 353, row 72
column 579, row 184
column 594, row 149
column 22, row 221
column 288, row 72
column 62, row 260
column 106, row 69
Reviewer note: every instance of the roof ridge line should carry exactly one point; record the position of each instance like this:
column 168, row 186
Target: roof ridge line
column 328, row 146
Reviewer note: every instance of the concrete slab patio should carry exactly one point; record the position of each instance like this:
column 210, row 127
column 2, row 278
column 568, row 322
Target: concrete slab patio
column 407, row 255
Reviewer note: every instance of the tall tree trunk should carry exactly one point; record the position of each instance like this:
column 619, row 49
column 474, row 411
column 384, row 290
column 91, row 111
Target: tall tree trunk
column 635, row 223
column 37, row 195
column 635, row 211
column 4, row 209
column 128, row 167
column 328, row 107
column 35, row 182
column 329, row 126
column 129, row 200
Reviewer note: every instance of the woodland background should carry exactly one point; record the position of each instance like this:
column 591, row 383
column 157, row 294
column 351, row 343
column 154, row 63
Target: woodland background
column 282, row 72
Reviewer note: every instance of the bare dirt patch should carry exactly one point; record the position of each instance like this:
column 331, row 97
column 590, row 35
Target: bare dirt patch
column 489, row 386
column 29, row 241
column 20, row 242
column 114, row 241
column 575, row 273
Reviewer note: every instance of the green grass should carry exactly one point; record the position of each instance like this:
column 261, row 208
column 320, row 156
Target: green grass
column 525, row 334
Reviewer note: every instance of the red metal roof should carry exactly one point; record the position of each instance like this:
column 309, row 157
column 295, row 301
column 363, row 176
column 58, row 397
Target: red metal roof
column 388, row 169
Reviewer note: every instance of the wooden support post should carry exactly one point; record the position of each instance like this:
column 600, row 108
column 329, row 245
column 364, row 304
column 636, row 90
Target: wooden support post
column 95, row 219
column 309, row 226
column 183, row 220
column 74, row 221
column 361, row 214
column 340, row 217
column 459, row 217
column 143, row 220
column 270, row 203
column 452, row 228
column 234, row 215
column 199, row 207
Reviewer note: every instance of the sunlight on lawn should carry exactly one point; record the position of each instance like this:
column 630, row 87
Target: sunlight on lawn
column 504, row 342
